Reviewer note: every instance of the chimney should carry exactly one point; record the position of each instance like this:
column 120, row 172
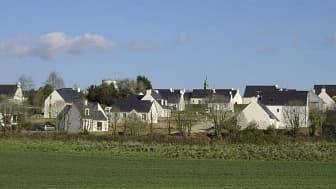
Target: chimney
column 171, row 90
column 148, row 92
column 323, row 90
column 166, row 102
column 78, row 90
column 162, row 102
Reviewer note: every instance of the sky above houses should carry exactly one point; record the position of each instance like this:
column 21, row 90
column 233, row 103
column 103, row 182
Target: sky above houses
column 175, row 43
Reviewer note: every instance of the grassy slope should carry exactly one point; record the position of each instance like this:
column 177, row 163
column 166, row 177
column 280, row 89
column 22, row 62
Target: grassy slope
column 71, row 170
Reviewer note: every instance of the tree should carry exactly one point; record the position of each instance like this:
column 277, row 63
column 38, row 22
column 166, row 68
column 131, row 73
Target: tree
column 294, row 115
column 27, row 82
column 223, row 121
column 317, row 119
column 55, row 80
column 143, row 83
column 36, row 98
column 126, row 87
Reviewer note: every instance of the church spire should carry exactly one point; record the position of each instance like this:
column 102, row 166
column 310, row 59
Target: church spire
column 206, row 83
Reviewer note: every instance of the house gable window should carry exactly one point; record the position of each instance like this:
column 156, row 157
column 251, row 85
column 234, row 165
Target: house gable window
column 99, row 126
column 143, row 117
column 87, row 111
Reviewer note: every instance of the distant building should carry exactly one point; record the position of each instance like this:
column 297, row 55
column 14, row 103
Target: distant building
column 82, row 116
column 12, row 92
column 58, row 99
column 328, row 94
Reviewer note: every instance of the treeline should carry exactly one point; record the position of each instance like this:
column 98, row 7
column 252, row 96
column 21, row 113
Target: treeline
column 106, row 94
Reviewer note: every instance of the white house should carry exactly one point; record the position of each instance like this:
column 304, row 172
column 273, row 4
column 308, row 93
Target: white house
column 159, row 102
column 257, row 113
column 82, row 116
column 58, row 99
column 146, row 110
column 13, row 92
column 174, row 97
column 327, row 93
column 287, row 103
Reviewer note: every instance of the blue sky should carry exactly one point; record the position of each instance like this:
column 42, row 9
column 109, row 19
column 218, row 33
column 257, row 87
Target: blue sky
column 175, row 43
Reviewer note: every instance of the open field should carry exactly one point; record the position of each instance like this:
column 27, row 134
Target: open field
column 70, row 170
column 46, row 163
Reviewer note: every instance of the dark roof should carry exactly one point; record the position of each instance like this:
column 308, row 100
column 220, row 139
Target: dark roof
column 226, row 92
column 187, row 96
column 284, row 97
column 270, row 114
column 69, row 94
column 211, row 93
column 171, row 96
column 94, row 112
column 330, row 89
column 8, row 90
column 133, row 102
column 201, row 93
column 254, row 90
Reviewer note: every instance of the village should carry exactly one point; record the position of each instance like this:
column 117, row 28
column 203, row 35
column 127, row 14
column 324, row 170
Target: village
column 170, row 111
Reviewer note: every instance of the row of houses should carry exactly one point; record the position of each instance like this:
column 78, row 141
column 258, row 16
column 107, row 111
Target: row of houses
column 264, row 105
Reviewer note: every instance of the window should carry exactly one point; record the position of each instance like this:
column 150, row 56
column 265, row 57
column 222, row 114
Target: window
column 143, row 117
column 124, row 115
column 99, row 126
column 87, row 111
column 278, row 110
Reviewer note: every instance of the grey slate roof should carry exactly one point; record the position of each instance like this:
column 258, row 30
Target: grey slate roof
column 270, row 114
column 210, row 93
column 330, row 89
column 172, row 97
column 282, row 98
column 254, row 90
column 94, row 113
column 8, row 90
column 201, row 93
column 133, row 102
column 69, row 94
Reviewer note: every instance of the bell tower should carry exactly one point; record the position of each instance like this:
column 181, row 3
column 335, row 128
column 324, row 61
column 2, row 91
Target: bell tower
column 206, row 83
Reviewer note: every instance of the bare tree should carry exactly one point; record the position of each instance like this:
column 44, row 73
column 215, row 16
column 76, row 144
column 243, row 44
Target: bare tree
column 55, row 80
column 27, row 82
column 294, row 115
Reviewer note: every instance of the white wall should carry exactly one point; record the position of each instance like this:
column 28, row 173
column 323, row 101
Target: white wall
column 254, row 113
column 330, row 103
column 278, row 111
column 53, row 104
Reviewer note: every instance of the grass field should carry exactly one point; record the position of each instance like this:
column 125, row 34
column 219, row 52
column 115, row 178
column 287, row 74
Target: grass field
column 20, row 169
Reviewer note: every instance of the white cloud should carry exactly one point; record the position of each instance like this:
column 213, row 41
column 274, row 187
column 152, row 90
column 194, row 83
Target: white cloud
column 50, row 45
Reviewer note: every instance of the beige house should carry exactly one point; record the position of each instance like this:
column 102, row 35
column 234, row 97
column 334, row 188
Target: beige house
column 259, row 114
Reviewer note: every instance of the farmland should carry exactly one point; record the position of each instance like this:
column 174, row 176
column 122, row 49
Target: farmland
column 48, row 166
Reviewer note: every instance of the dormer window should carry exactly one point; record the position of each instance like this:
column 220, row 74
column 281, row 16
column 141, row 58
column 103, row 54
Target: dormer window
column 87, row 111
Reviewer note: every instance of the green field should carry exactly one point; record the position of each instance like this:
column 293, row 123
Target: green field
column 22, row 169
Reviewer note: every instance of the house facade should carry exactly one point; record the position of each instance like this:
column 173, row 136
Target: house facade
column 82, row 116
column 146, row 110
column 174, row 97
column 259, row 114
column 286, row 106
column 328, row 94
